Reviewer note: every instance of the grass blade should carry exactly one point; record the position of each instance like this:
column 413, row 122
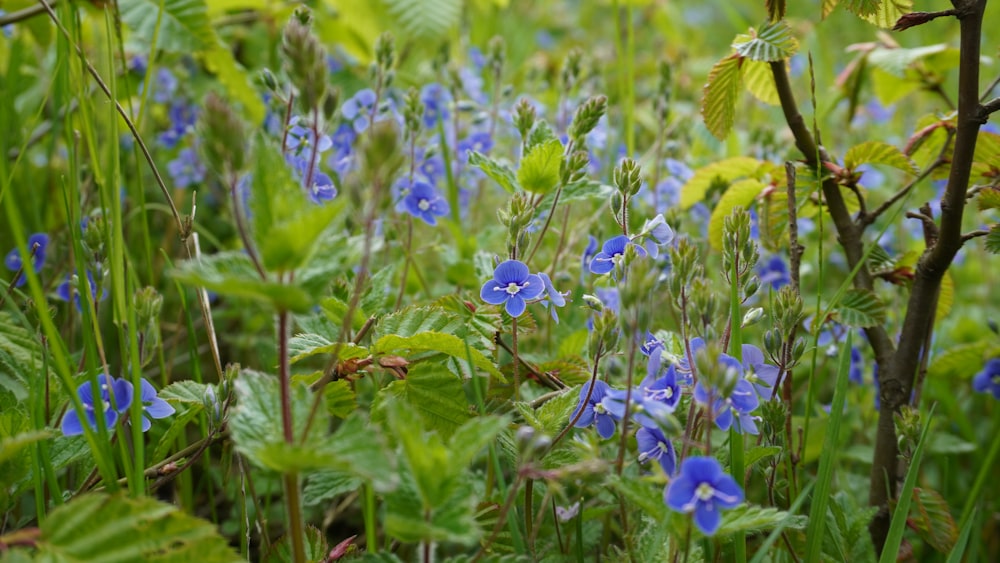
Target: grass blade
column 898, row 524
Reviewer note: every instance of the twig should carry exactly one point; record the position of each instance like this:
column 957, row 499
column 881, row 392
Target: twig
column 974, row 234
column 992, row 105
column 795, row 249
column 865, row 219
column 23, row 14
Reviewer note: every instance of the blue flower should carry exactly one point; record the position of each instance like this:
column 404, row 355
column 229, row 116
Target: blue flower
column 38, row 243
column 186, row 169
column 594, row 411
column 704, row 489
column 358, row 109
column 553, row 298
column 119, row 388
column 856, row 373
column 66, row 289
column 988, row 380
column 7, row 30
column 432, row 168
column 479, row 142
column 741, row 401
column 774, row 271
column 182, row 117
column 656, row 232
column 651, row 344
column 656, row 397
column 762, row 375
column 152, row 406
column 653, row 445
column 436, row 99
column 423, row 202
column 588, row 253
column 512, row 286
column 164, row 86
column 612, row 251
column 301, row 138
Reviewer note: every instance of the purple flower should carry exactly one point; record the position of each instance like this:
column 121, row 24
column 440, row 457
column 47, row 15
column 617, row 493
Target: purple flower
column 656, row 232
column 478, row 142
column 186, row 169
column 436, row 99
column 423, row 202
column 121, row 391
column 653, row 445
column 651, row 344
column 553, row 298
column 594, row 411
column 988, row 380
column 432, row 168
column 301, row 139
column 762, row 375
column 704, row 489
column 38, row 243
column 512, row 286
column 612, row 251
column 164, row 86
column 741, row 401
column 856, row 373
column 152, row 406
column 358, row 109
column 656, row 397
column 182, row 116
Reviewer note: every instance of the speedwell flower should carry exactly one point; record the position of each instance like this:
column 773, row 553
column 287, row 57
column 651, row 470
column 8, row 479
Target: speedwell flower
column 988, row 380
column 704, row 489
column 653, row 445
column 37, row 245
column 424, row 202
column 611, row 252
column 108, row 386
column 594, row 411
column 512, row 286
column 152, row 406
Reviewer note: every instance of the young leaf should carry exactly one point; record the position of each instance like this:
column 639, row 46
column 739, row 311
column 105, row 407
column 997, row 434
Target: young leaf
column 498, row 171
column 315, row 544
column 740, row 194
column 100, row 527
column 718, row 104
column 752, row 518
column 992, row 242
column 988, row 198
column 304, row 345
column 773, row 42
column 775, row 9
column 434, row 342
column 431, row 392
column 946, row 297
column 724, row 170
column 877, row 152
column 232, row 273
column 426, row 19
column 860, row 308
column 539, row 169
column 986, row 163
column 759, row 81
column 887, row 12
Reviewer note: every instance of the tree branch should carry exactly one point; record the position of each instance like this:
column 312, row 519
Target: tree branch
column 896, row 383
column 992, row 106
column 865, row 219
column 974, row 234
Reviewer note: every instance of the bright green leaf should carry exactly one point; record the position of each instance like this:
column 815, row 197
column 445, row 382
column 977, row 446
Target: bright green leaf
column 426, row 19
column 877, row 152
column 539, row 169
column 718, row 104
column 232, row 273
column 888, row 12
column 498, row 171
column 740, row 194
column 988, row 198
column 316, row 548
column 759, row 81
column 861, row 308
column 339, row 398
column 773, row 42
column 434, row 342
column 724, row 170
column 432, row 392
column 752, row 518
column 305, row 345
column 992, row 242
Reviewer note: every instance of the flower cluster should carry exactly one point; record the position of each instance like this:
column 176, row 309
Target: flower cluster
column 38, row 244
column 113, row 398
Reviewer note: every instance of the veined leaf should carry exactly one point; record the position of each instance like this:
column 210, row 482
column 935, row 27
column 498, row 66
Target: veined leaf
column 775, row 9
column 752, row 518
column 946, row 297
column 339, row 398
column 986, row 162
column 932, row 519
column 720, row 94
column 432, row 392
column 773, row 42
column 426, row 18
column 860, row 308
column 828, row 6
column 887, row 12
column 988, row 198
column 877, row 152
column 497, row 171
column 992, row 242
column 725, row 170
column 539, row 169
column 740, row 194
column 896, row 60
column 305, row 345
column 863, row 7
column 962, row 361
column 759, row 81
column 316, row 548
column 231, row 273
column 435, row 342
column 99, row 527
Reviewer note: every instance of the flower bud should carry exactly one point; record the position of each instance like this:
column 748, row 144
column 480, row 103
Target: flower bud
column 752, row 316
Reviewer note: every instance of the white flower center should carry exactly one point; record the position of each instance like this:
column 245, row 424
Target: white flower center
column 424, row 205
column 513, row 288
column 704, row 492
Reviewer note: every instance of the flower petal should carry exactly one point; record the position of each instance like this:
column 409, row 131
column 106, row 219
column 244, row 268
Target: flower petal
column 493, row 293
column 605, row 426
column 707, row 518
column 532, row 287
column 680, row 493
column 159, row 408
column 71, row 424
column 601, row 264
column 515, row 306
column 511, row 271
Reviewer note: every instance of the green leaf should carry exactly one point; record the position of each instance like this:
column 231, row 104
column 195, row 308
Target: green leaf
column 773, row 42
column 416, row 319
column 988, row 198
column 185, row 393
column 961, row 361
column 759, row 81
column 470, row 438
column 863, row 7
column 11, row 446
column 828, row 6
column 584, row 190
column 887, row 13
column 718, row 104
column 860, row 308
column 433, row 393
column 339, row 398
column 231, row 273
column 323, row 486
column 99, row 527
column 775, row 9
column 946, row 297
column 498, row 171
column 752, row 518
column 740, row 194
column 641, row 494
column 453, row 521
column 539, row 169
column 943, row 443
column 436, row 342
column 992, row 240
column 236, row 80
column 877, row 152
column 986, row 165
column 724, row 170
column 305, row 345
column 760, row 453
column 315, row 547
column 426, row 18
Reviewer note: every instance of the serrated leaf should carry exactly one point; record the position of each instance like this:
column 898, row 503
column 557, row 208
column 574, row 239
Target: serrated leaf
column 860, row 308
column 877, row 152
column 539, row 169
column 470, row 438
column 453, row 521
column 986, row 162
column 992, row 240
column 232, row 273
column 430, row 391
column 497, row 171
column 426, row 18
column 932, row 519
column 323, row 486
column 759, row 81
column 99, row 527
column 773, row 42
column 584, row 190
column 185, row 392
column 740, row 194
column 720, row 94
column 436, row 342
column 316, row 548
column 752, row 518
column 10, row 446
column 887, row 13
column 554, row 415
column 416, row 319
column 775, row 9
column 897, row 60
column 988, row 198
column 863, row 7
column 339, row 398
column 725, row 170
column 641, row 494
column 305, row 345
